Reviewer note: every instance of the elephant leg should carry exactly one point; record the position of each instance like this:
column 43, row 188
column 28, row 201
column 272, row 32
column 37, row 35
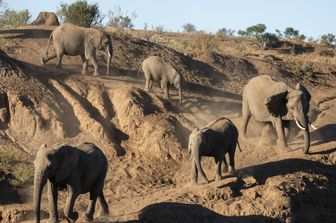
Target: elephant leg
column 232, row 151
column 92, row 205
column 85, row 64
column 147, row 83
column 225, row 166
column 150, row 86
column 246, row 115
column 194, row 172
column 103, row 204
column 59, row 61
column 265, row 134
column 165, row 88
column 94, row 62
column 52, row 196
column 282, row 142
column 47, row 58
column 71, row 215
column 218, row 169
column 286, row 125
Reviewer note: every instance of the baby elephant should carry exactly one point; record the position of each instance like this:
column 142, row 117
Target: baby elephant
column 215, row 140
column 156, row 70
column 79, row 169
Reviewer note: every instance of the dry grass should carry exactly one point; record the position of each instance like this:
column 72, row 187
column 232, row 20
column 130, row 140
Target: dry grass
column 20, row 172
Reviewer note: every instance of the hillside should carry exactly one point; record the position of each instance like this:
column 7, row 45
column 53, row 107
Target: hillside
column 145, row 136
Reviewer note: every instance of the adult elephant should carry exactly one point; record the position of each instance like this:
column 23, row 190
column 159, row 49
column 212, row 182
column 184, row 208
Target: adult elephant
column 276, row 103
column 80, row 169
column 214, row 140
column 74, row 40
column 156, row 70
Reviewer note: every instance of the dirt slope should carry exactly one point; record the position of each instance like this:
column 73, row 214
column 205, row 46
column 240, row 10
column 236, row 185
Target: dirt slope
column 145, row 136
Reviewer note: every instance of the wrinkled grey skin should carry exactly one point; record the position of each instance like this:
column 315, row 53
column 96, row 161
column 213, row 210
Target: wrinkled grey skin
column 74, row 40
column 79, row 169
column 156, row 70
column 215, row 140
column 276, row 103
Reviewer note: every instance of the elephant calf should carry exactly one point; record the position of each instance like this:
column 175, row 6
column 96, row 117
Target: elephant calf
column 79, row 169
column 215, row 140
column 156, row 70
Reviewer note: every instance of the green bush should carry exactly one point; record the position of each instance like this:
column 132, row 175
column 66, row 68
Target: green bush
column 12, row 18
column 20, row 172
column 80, row 13
column 304, row 71
column 119, row 19
column 225, row 32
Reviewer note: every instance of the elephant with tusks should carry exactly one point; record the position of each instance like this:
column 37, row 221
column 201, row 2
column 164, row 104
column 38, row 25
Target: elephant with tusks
column 276, row 103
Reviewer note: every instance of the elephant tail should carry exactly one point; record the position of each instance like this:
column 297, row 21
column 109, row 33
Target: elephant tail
column 49, row 41
column 239, row 146
column 140, row 66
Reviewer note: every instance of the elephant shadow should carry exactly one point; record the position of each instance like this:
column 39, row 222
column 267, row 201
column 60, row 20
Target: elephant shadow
column 171, row 212
column 262, row 172
column 324, row 134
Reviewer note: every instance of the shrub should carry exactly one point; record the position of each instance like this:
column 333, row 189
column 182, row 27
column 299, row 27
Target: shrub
column 20, row 172
column 80, row 13
column 304, row 71
column 13, row 18
column 158, row 29
column 189, row 28
column 119, row 19
column 225, row 32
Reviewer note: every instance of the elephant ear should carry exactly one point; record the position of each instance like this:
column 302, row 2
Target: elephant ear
column 95, row 39
column 68, row 160
column 304, row 90
column 276, row 104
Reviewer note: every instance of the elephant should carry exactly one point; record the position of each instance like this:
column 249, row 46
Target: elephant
column 73, row 40
column 79, row 169
column 276, row 103
column 214, row 140
column 47, row 19
column 155, row 69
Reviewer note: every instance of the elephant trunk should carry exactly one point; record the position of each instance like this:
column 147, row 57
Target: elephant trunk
column 109, row 59
column 39, row 181
column 302, row 123
column 197, row 159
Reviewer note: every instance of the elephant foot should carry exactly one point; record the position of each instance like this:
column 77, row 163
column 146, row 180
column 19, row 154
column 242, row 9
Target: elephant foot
column 43, row 61
column 231, row 170
column 53, row 220
column 72, row 217
column 218, row 178
column 88, row 217
column 96, row 74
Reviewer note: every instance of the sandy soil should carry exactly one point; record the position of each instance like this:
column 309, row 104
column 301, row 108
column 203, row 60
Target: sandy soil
column 145, row 136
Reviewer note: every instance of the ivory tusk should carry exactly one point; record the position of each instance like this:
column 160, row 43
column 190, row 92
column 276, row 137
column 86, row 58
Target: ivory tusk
column 108, row 53
column 313, row 126
column 299, row 125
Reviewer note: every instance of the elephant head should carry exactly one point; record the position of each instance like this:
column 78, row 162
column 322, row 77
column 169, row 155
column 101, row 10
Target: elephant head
column 53, row 164
column 292, row 104
column 102, row 41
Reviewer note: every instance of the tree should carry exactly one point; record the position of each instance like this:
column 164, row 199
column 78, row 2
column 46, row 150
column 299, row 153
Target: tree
column 225, row 32
column 256, row 30
column 14, row 18
column 241, row 33
column 329, row 40
column 119, row 19
column 290, row 32
column 189, row 28
column 80, row 13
